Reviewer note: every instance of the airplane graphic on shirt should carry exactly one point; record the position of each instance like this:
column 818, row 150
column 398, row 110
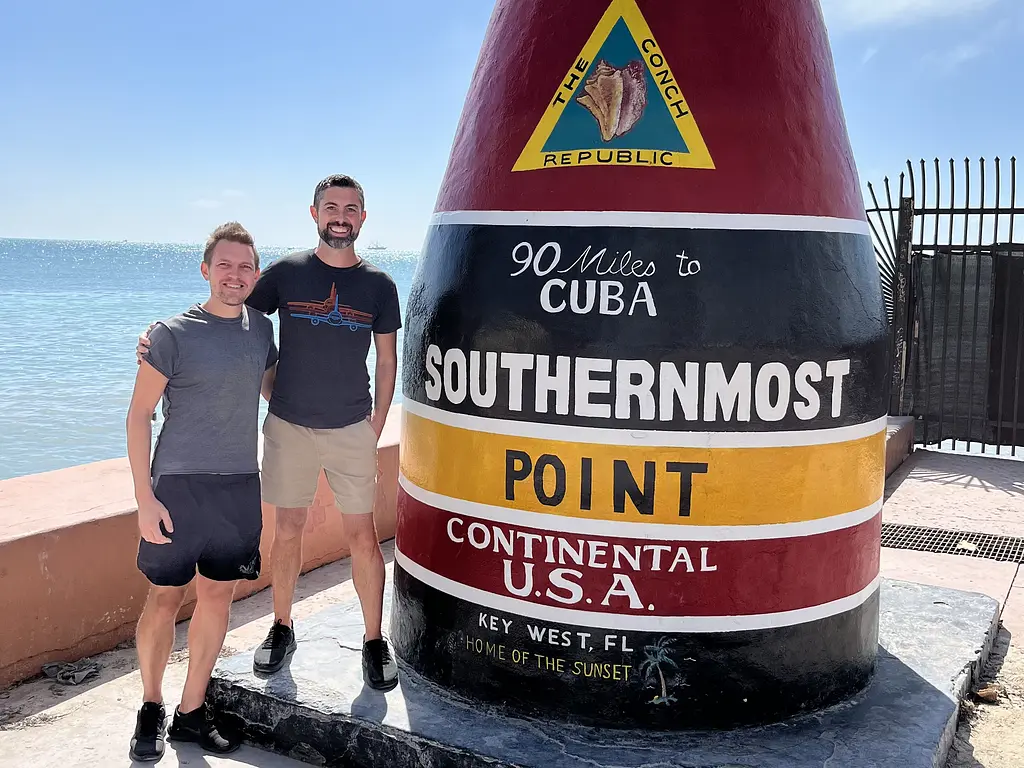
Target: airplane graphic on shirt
column 332, row 313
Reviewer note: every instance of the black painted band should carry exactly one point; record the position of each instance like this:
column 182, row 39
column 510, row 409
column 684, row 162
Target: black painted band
column 706, row 330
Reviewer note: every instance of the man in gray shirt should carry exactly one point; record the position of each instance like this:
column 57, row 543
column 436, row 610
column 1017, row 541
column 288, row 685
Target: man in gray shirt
column 200, row 513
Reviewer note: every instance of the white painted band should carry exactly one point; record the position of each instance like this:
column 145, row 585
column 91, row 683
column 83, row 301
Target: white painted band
column 654, row 220
column 652, row 531
column 634, row 622
column 651, row 438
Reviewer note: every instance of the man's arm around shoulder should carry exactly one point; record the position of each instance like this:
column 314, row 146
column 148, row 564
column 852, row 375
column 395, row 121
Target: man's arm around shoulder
column 265, row 295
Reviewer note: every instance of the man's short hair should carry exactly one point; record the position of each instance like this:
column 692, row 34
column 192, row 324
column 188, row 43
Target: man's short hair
column 232, row 232
column 337, row 180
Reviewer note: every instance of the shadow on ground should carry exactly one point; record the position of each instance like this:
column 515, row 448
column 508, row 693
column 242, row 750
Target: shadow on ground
column 986, row 473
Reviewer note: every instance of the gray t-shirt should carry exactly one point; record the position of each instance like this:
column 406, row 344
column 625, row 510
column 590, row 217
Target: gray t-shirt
column 214, row 367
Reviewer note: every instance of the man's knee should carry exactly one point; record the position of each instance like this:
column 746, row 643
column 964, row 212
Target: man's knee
column 166, row 601
column 215, row 594
column 361, row 534
column 291, row 522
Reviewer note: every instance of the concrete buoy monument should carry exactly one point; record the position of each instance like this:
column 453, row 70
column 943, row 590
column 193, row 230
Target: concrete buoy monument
column 644, row 424
column 642, row 457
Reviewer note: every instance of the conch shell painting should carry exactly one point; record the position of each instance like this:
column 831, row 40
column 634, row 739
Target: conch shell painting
column 616, row 97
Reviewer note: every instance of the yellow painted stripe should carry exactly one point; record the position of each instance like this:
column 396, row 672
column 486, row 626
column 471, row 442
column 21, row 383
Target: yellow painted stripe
column 742, row 486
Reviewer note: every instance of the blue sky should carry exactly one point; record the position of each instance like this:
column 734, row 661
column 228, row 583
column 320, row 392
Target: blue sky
column 155, row 122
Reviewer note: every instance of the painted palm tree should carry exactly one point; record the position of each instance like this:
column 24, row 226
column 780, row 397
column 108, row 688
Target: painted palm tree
column 655, row 659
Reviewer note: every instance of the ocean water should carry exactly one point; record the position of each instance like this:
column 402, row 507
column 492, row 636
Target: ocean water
column 72, row 312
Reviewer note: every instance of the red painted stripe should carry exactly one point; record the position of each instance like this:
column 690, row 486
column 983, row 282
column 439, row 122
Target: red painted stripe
column 750, row 577
column 757, row 75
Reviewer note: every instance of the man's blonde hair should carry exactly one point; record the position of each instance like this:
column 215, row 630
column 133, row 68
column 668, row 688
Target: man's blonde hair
column 232, row 232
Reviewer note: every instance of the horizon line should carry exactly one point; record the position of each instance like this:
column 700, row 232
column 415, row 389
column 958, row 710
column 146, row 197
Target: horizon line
column 187, row 243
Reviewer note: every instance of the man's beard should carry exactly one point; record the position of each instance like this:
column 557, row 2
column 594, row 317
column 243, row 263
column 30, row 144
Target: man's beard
column 338, row 243
column 229, row 299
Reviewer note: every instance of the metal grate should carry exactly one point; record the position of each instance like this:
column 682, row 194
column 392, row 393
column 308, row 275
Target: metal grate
column 986, row 545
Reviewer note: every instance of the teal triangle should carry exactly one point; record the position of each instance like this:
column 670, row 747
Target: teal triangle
column 577, row 128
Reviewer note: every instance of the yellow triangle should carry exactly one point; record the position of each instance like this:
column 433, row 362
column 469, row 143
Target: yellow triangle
column 603, row 151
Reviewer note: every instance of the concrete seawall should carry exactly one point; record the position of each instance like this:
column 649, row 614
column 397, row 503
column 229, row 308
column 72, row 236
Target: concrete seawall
column 69, row 585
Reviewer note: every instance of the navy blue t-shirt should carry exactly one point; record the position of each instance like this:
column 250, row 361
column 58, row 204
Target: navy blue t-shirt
column 328, row 315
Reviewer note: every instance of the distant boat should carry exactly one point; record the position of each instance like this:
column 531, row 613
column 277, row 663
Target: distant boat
column 376, row 246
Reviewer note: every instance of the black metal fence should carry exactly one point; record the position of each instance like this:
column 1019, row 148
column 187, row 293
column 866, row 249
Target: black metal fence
column 953, row 282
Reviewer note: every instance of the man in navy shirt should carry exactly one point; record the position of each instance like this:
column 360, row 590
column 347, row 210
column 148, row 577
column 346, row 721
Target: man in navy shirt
column 331, row 303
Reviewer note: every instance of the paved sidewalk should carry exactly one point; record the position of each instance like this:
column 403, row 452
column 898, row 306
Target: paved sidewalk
column 954, row 491
column 981, row 494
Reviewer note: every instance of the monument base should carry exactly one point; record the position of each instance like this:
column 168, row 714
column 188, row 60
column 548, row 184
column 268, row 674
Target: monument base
column 933, row 643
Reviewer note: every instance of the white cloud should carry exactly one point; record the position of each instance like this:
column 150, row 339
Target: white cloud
column 948, row 60
column 869, row 54
column 965, row 52
column 870, row 13
column 206, row 202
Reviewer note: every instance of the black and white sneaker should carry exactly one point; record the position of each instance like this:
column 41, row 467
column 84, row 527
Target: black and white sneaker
column 279, row 645
column 199, row 727
column 380, row 671
column 147, row 744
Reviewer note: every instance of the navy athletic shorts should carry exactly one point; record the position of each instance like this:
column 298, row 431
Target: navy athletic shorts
column 218, row 521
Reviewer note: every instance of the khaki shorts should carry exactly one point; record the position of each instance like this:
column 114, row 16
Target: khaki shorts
column 293, row 457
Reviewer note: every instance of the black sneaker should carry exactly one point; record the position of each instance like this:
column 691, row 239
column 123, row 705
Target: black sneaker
column 279, row 645
column 379, row 668
column 199, row 727
column 148, row 742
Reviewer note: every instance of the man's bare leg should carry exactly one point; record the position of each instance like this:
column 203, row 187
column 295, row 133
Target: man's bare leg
column 367, row 570
column 379, row 668
column 286, row 559
column 193, row 722
column 154, row 638
column 285, row 564
column 205, row 638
